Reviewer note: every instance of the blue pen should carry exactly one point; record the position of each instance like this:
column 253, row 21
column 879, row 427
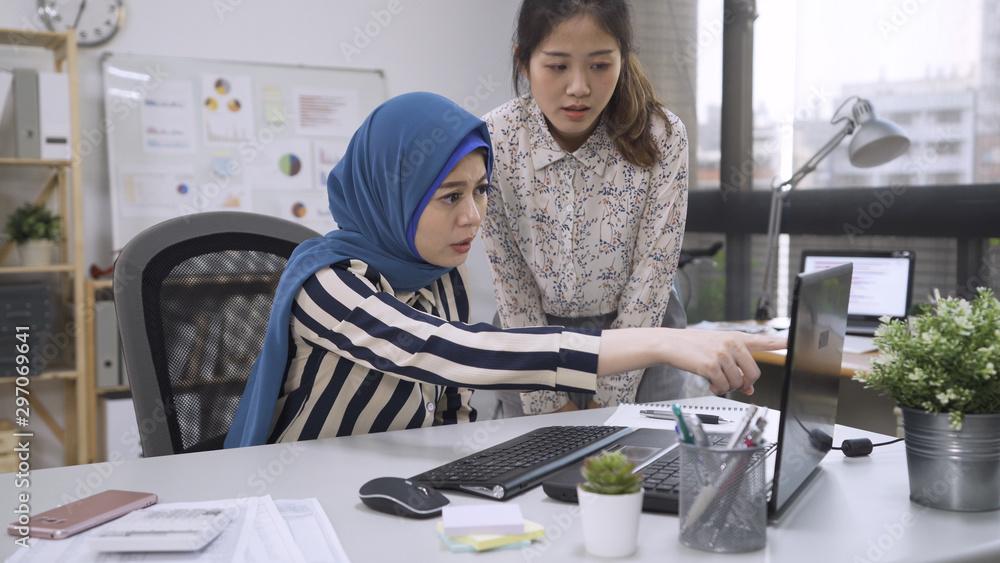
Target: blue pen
column 685, row 433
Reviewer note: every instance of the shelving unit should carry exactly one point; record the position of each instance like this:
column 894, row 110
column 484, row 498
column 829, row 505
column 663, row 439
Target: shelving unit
column 58, row 183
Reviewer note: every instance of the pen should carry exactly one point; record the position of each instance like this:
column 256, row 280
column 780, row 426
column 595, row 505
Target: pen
column 736, row 438
column 685, row 433
column 667, row 415
column 698, row 435
column 752, row 439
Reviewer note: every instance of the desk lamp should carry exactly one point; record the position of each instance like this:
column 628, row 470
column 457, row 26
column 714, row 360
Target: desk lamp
column 876, row 141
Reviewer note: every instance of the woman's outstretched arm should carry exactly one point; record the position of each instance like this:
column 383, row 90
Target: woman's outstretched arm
column 722, row 357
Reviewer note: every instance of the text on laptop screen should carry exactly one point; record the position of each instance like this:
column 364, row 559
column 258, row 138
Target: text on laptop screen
column 878, row 286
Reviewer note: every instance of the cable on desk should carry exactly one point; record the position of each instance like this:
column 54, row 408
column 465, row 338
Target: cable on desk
column 861, row 446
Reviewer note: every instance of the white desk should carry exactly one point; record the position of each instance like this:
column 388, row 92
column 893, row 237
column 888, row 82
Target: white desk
column 855, row 510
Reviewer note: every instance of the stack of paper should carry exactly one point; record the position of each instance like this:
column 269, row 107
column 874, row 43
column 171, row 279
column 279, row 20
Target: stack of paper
column 261, row 529
column 486, row 526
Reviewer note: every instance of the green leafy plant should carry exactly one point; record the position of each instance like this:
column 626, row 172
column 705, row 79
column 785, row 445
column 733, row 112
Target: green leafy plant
column 32, row 222
column 944, row 359
column 610, row 473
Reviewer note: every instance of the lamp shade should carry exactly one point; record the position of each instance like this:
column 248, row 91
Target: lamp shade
column 876, row 141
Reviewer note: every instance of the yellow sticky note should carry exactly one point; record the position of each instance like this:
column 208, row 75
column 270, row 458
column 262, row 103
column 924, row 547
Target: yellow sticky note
column 482, row 542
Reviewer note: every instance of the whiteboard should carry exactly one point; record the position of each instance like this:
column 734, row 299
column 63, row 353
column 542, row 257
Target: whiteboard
column 188, row 135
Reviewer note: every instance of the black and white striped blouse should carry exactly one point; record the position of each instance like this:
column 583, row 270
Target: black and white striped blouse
column 364, row 359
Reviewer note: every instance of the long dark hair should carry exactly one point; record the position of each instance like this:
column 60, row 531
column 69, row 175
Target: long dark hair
column 629, row 113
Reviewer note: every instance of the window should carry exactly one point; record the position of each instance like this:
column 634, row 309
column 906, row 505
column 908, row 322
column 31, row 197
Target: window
column 849, row 181
column 948, row 116
column 947, row 148
column 912, row 60
column 902, row 179
column 946, row 178
column 901, row 118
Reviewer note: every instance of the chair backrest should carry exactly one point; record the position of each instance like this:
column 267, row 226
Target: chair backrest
column 193, row 296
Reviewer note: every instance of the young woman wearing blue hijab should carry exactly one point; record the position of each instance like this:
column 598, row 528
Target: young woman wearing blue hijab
column 369, row 331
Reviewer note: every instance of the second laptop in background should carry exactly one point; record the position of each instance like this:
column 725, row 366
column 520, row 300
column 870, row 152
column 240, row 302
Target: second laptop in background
column 882, row 284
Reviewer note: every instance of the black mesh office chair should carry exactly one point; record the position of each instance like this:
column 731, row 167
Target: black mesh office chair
column 193, row 296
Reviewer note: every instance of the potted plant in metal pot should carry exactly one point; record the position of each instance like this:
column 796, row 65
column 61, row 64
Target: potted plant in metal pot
column 610, row 504
column 941, row 367
column 33, row 228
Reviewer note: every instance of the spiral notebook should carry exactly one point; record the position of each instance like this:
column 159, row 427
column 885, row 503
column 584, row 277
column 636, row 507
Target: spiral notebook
column 628, row 414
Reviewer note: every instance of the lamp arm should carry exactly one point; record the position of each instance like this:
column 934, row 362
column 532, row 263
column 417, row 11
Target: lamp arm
column 778, row 194
column 819, row 156
column 764, row 311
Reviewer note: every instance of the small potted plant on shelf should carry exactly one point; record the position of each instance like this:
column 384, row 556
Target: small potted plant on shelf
column 33, row 228
column 941, row 368
column 610, row 504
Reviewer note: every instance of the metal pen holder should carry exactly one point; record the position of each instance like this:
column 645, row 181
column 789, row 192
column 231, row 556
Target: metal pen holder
column 723, row 501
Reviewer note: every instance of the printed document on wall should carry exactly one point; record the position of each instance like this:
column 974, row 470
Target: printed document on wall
column 168, row 118
column 326, row 113
column 227, row 109
column 156, row 191
column 282, row 164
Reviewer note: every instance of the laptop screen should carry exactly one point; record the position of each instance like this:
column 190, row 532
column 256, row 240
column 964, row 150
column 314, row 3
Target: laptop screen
column 882, row 283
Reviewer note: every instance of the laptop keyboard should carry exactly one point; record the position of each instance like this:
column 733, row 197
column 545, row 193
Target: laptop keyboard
column 662, row 479
column 664, row 474
column 518, row 464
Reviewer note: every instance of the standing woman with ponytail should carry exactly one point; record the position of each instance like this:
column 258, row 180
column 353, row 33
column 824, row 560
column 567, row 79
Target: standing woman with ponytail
column 587, row 217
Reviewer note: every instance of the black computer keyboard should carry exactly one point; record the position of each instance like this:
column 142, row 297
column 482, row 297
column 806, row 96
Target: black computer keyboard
column 515, row 466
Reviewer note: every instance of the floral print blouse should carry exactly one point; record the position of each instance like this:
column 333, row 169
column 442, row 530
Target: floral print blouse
column 582, row 234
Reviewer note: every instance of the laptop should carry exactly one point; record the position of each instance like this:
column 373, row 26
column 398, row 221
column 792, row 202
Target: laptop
column 882, row 284
column 808, row 412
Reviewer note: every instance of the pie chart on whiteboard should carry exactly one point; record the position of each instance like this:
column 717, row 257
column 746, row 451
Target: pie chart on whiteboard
column 290, row 165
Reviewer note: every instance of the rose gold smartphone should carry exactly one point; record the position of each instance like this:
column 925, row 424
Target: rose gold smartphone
column 77, row 516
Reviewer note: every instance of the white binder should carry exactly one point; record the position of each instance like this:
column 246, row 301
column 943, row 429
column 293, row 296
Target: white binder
column 106, row 344
column 54, row 115
column 7, row 127
column 26, row 125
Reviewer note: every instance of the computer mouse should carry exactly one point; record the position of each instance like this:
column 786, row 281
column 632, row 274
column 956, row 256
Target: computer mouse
column 402, row 497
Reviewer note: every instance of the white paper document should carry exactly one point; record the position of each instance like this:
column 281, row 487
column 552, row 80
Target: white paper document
column 312, row 530
column 261, row 529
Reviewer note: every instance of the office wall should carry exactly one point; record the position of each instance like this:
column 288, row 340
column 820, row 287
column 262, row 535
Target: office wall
column 457, row 48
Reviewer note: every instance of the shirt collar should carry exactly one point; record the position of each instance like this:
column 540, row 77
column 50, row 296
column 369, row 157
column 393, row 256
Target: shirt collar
column 544, row 150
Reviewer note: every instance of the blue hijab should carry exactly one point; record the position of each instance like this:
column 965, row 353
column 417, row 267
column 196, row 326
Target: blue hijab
column 378, row 190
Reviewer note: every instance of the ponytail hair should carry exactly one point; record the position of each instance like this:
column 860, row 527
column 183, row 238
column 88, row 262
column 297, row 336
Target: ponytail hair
column 629, row 114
